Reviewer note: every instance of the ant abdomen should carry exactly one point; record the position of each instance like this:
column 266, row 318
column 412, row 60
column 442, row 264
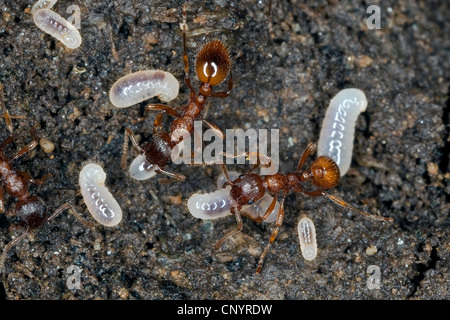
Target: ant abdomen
column 249, row 188
column 31, row 212
column 158, row 150
column 213, row 63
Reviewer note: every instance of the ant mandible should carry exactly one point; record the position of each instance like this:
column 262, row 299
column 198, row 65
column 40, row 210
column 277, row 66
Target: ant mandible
column 29, row 211
column 251, row 187
column 213, row 65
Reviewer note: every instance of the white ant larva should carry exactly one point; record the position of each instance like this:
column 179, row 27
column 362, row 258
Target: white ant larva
column 212, row 205
column 307, row 237
column 140, row 169
column 338, row 127
column 142, row 85
column 99, row 201
column 42, row 4
column 58, row 27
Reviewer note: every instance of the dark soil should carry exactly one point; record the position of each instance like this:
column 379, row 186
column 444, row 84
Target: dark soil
column 400, row 163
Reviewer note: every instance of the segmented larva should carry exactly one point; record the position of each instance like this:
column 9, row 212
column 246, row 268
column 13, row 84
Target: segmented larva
column 140, row 169
column 338, row 127
column 99, row 201
column 142, row 85
column 42, row 4
column 307, row 237
column 58, row 27
column 212, row 205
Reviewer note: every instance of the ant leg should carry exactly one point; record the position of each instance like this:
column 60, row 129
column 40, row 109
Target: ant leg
column 7, row 141
column 159, row 107
column 269, row 17
column 2, row 199
column 274, row 234
column 270, row 208
column 25, row 149
column 187, row 79
column 174, row 176
column 8, row 247
column 128, row 134
column 5, row 111
column 225, row 172
column 213, row 127
column 233, row 232
column 344, row 204
column 29, row 178
column 311, row 146
column 72, row 210
column 224, row 94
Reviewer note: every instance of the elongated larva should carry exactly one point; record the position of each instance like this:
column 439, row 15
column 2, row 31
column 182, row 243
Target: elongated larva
column 212, row 205
column 140, row 169
column 58, row 27
column 307, row 237
column 338, row 127
column 42, row 4
column 99, row 201
column 142, row 85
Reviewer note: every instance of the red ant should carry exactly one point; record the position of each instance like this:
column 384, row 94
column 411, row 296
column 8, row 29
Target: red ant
column 251, row 187
column 213, row 64
column 29, row 211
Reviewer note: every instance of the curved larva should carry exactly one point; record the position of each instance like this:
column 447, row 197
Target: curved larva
column 142, row 85
column 212, row 205
column 338, row 127
column 58, row 27
column 99, row 201
column 42, row 4
column 140, row 169
column 307, row 237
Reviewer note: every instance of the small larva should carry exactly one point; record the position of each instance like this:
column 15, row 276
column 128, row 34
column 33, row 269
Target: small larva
column 58, row 27
column 338, row 127
column 42, row 4
column 307, row 237
column 99, row 201
column 212, row 205
column 140, row 169
column 142, row 85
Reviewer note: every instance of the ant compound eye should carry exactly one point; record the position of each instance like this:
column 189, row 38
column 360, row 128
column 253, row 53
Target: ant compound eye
column 250, row 202
column 241, row 176
column 325, row 173
column 213, row 63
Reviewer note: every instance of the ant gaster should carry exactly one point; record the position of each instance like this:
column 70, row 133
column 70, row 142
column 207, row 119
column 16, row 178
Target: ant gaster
column 213, row 65
column 30, row 211
column 251, row 187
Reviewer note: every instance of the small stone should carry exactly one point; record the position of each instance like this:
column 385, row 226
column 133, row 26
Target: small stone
column 46, row 145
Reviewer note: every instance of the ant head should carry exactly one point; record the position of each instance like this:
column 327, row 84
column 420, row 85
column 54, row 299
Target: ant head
column 247, row 189
column 213, row 63
column 324, row 173
column 31, row 212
